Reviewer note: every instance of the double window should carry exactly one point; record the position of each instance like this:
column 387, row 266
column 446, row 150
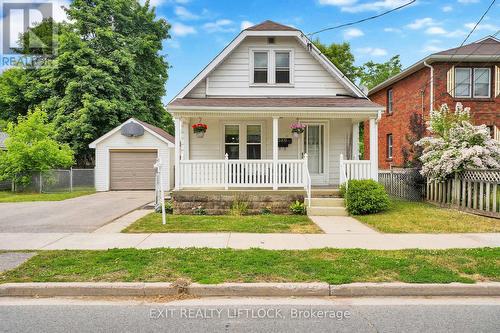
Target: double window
column 472, row 82
column 253, row 144
column 272, row 67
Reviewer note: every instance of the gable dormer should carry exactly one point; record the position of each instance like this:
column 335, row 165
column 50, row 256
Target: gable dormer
column 270, row 60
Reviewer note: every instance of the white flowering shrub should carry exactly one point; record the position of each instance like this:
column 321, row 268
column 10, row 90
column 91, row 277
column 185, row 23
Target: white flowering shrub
column 456, row 145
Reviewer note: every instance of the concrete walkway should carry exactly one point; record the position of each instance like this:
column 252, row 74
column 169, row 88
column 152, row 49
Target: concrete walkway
column 102, row 241
column 342, row 225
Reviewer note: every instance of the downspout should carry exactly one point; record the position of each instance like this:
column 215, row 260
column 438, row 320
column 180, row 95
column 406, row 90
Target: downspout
column 432, row 86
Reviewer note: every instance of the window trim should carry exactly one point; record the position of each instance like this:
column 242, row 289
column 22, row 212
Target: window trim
column 470, row 82
column 289, row 67
column 474, row 83
column 231, row 144
column 252, row 143
column 271, row 66
column 390, row 101
column 390, row 147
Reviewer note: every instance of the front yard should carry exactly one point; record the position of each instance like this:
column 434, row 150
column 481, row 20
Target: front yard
column 7, row 196
column 225, row 223
column 334, row 266
column 421, row 217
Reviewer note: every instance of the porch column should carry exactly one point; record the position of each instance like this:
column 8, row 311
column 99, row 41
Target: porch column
column 374, row 148
column 275, row 153
column 185, row 138
column 177, row 174
column 355, row 141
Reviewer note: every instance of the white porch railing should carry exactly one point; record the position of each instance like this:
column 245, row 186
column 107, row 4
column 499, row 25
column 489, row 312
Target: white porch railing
column 244, row 173
column 354, row 169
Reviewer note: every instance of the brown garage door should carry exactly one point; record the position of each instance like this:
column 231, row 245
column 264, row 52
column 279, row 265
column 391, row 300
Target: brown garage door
column 132, row 169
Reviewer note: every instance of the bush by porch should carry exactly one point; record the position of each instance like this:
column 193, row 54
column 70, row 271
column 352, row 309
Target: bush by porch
column 206, row 223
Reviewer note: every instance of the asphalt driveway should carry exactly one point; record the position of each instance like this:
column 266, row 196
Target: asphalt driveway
column 82, row 214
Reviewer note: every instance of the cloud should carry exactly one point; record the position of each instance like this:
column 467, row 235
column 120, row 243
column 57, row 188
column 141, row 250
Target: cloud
column 468, row 1
column 184, row 14
column 421, row 23
column 435, row 31
column 222, row 25
column 353, row 33
column 373, row 51
column 353, row 6
column 179, row 29
column 447, row 9
column 392, row 30
column 482, row 27
column 246, row 24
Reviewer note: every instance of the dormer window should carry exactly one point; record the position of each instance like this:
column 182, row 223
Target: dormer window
column 282, row 67
column 271, row 67
column 260, row 69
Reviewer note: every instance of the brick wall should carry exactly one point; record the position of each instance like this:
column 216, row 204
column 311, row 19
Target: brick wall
column 411, row 95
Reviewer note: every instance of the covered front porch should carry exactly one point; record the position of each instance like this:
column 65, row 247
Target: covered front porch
column 255, row 149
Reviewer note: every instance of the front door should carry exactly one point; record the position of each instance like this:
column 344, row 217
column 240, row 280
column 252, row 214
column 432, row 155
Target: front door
column 314, row 146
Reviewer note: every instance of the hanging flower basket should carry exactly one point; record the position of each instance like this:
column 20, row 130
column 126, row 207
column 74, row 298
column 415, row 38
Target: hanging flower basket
column 199, row 129
column 297, row 129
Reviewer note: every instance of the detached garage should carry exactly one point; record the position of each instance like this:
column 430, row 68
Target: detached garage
column 125, row 157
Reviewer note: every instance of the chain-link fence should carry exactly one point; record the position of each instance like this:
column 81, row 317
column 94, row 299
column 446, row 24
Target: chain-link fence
column 406, row 184
column 59, row 180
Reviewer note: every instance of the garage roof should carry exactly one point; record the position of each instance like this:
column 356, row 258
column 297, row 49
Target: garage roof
column 155, row 131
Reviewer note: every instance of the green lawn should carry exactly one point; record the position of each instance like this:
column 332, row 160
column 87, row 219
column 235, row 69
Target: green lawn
column 225, row 223
column 421, row 217
column 334, row 266
column 7, row 196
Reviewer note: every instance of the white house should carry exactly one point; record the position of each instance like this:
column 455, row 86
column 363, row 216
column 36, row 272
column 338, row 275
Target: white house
column 270, row 77
column 126, row 155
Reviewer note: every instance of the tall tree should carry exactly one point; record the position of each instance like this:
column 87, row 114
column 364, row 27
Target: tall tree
column 373, row 73
column 341, row 56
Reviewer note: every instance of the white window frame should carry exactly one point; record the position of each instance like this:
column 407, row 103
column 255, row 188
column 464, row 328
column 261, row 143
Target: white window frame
column 271, row 67
column 390, row 101
column 474, row 83
column 251, row 143
column 390, row 147
column 224, row 143
column 470, row 82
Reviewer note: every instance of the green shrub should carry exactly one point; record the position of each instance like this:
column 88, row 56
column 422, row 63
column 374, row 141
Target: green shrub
column 298, row 208
column 366, row 197
column 239, row 207
column 266, row 211
column 342, row 191
column 199, row 210
column 169, row 209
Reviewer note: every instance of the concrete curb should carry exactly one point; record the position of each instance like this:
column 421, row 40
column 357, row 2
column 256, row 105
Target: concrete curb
column 246, row 289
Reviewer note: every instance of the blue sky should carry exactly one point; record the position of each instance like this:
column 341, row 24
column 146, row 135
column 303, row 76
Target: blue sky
column 201, row 28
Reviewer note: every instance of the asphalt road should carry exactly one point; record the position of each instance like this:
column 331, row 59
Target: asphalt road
column 252, row 315
column 83, row 214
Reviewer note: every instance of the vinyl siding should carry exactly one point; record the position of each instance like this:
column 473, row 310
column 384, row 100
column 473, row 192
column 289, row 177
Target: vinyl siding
column 232, row 77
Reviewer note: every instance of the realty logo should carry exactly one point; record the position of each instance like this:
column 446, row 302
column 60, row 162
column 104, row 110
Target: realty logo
column 17, row 18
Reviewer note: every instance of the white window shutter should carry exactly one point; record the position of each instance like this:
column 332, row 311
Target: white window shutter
column 450, row 81
column 497, row 81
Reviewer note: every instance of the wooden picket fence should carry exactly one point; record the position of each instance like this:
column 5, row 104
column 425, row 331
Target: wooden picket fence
column 475, row 191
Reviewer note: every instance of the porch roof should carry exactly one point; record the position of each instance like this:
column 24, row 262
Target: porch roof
column 275, row 102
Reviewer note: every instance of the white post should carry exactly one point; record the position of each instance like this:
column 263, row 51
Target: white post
column 185, row 138
column 177, row 174
column 374, row 148
column 226, row 171
column 71, row 179
column 305, row 170
column 275, row 153
column 355, row 141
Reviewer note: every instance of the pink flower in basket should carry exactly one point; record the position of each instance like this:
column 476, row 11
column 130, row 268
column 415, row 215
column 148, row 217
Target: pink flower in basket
column 297, row 127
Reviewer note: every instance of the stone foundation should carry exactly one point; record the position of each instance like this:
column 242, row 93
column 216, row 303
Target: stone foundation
column 219, row 202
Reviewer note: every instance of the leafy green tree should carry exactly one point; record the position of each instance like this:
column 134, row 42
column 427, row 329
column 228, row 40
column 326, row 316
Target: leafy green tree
column 373, row 73
column 31, row 147
column 341, row 56
column 13, row 87
column 40, row 39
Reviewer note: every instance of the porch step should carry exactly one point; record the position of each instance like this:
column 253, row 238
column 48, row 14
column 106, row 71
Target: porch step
column 326, row 211
column 325, row 193
column 326, row 202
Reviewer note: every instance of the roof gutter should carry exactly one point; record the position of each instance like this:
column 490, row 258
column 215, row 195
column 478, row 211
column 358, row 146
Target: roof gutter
column 432, row 86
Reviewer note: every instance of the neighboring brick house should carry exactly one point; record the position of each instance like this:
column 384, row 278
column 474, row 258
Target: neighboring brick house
column 469, row 74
